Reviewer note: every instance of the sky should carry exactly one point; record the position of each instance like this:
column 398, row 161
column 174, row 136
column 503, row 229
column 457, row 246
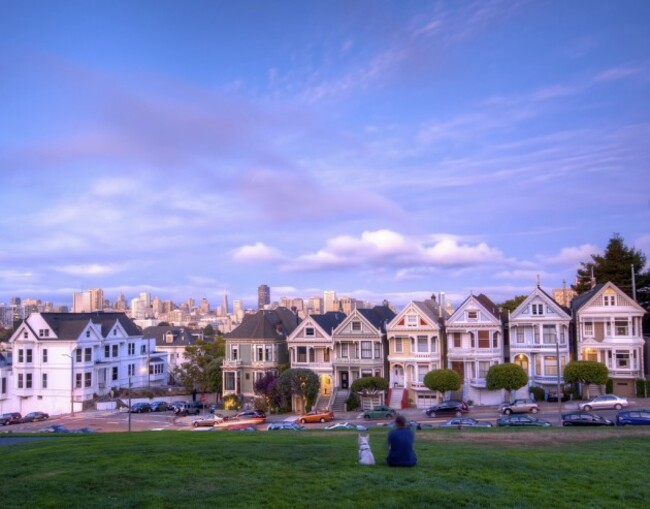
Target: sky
column 384, row 150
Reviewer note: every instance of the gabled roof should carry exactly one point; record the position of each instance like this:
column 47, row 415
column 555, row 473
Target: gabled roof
column 70, row 325
column 182, row 336
column 266, row 324
column 378, row 316
column 537, row 291
column 328, row 321
column 581, row 300
column 485, row 302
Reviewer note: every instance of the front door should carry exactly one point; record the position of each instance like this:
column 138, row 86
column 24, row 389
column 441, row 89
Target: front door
column 325, row 385
column 344, row 380
column 398, row 376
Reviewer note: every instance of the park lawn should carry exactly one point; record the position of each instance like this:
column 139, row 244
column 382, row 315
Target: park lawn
column 319, row 469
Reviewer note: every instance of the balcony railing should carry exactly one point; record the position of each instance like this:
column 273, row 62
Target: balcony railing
column 357, row 362
column 546, row 379
column 233, row 364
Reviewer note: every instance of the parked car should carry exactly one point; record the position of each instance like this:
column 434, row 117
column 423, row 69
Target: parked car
column 465, row 422
column 344, row 426
column 140, row 408
column 379, row 412
column 519, row 406
column 10, row 418
column 585, row 419
column 318, row 415
column 251, row 414
column 208, row 421
column 451, row 407
column 160, row 406
column 521, row 420
column 57, row 428
column 409, row 424
column 604, row 401
column 633, row 417
column 186, row 408
column 35, row 416
column 284, row 425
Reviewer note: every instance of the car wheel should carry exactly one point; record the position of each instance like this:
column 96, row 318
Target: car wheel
column 507, row 411
column 459, row 413
column 534, row 410
column 322, row 419
column 195, row 424
column 617, row 406
column 587, row 408
column 302, row 421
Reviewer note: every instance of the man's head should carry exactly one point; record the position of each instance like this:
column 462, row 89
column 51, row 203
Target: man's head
column 400, row 421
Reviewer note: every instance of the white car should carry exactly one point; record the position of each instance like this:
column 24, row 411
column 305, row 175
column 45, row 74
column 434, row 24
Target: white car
column 604, row 401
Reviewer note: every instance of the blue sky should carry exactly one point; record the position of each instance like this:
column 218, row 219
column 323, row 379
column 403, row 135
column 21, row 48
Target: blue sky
column 379, row 149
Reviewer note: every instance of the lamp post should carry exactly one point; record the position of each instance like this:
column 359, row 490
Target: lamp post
column 559, row 394
column 71, row 382
column 129, row 403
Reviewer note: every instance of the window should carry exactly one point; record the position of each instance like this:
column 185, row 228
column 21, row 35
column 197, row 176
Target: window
column 107, row 350
column 21, row 355
column 115, row 350
column 87, row 379
column 78, row 355
column 623, row 360
column 4, row 385
column 356, row 326
column 483, row 339
column 520, row 335
column 412, row 320
column 302, row 354
column 44, row 333
column 550, row 365
column 21, row 382
column 423, row 369
column 88, row 354
column 377, row 350
column 309, row 331
column 260, row 353
column 131, row 369
column 114, row 332
column 472, row 315
column 423, row 343
column 28, row 355
column 44, row 380
column 398, row 345
column 45, row 355
column 131, row 348
column 344, row 350
column 234, row 351
column 77, row 380
column 88, row 333
column 458, row 339
column 366, row 350
column 114, row 373
column 483, row 368
column 143, row 349
column 311, row 355
column 589, row 328
column 609, row 300
column 537, row 309
column 621, row 328
column 326, row 355
column 268, row 353
column 25, row 334
column 549, row 335
column 229, row 381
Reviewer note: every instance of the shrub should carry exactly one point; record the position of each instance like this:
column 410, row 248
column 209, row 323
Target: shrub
column 352, row 403
column 642, row 388
column 538, row 393
column 442, row 380
column 609, row 386
column 369, row 384
column 231, row 402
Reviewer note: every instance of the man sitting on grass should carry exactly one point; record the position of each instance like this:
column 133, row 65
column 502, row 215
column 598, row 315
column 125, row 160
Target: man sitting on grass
column 400, row 445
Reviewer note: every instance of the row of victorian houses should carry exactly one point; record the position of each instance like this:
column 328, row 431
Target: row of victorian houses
column 603, row 324
column 59, row 361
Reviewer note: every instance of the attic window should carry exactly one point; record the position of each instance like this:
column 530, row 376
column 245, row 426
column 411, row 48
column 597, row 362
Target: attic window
column 411, row 320
column 87, row 333
column 114, row 332
column 44, row 333
column 537, row 309
column 472, row 315
column 309, row 331
column 609, row 300
column 356, row 326
column 25, row 334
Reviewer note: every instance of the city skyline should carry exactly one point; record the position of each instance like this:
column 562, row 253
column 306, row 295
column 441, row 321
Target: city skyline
column 380, row 150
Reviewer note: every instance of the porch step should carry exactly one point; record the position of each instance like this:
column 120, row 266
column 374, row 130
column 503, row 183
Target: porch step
column 396, row 398
column 338, row 405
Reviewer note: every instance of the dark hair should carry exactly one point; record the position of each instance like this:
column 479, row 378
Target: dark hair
column 400, row 421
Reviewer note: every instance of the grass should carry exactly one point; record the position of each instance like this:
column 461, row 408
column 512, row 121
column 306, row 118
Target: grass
column 319, row 469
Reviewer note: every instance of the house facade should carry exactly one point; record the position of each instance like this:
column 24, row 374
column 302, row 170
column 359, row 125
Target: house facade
column 257, row 346
column 311, row 347
column 171, row 342
column 608, row 329
column 61, row 360
column 475, row 342
column 414, row 348
column 360, row 346
column 539, row 340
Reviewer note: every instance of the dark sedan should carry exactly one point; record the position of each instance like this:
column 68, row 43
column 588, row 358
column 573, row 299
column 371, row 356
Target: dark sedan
column 160, row 406
column 139, row 408
column 633, row 417
column 465, row 422
column 585, row 419
column 10, row 418
column 522, row 420
column 35, row 416
column 451, row 407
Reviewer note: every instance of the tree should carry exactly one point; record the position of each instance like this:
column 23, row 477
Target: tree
column 267, row 388
column 202, row 369
column 511, row 304
column 506, row 376
column 442, row 380
column 615, row 265
column 208, row 331
column 586, row 372
column 369, row 385
column 300, row 382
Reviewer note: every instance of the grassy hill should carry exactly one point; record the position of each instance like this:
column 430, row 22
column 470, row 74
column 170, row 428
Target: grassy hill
column 547, row 468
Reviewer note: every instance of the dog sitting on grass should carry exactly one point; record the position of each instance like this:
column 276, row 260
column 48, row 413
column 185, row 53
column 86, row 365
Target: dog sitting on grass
column 365, row 454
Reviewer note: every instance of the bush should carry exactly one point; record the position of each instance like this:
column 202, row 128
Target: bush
column 538, row 393
column 609, row 386
column 231, row 402
column 352, row 403
column 642, row 388
column 369, row 384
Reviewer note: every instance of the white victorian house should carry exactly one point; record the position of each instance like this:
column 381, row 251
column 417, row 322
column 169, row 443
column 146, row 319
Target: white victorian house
column 62, row 360
column 475, row 343
column 311, row 347
column 608, row 330
column 415, row 348
column 539, row 340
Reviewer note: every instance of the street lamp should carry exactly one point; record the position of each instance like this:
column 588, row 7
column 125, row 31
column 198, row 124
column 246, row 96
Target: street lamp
column 559, row 394
column 71, row 382
column 129, row 401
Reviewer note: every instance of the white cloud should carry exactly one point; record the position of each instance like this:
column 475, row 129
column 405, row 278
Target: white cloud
column 93, row 269
column 571, row 255
column 258, row 252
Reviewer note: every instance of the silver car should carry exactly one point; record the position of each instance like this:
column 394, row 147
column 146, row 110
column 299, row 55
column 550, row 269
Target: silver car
column 465, row 422
column 604, row 401
column 520, row 406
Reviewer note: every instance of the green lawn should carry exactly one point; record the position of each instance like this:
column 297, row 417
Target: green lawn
column 319, row 469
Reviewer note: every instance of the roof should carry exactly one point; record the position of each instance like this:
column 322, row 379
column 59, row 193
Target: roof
column 329, row 321
column 70, row 325
column 182, row 336
column 266, row 324
column 485, row 301
column 583, row 298
column 378, row 316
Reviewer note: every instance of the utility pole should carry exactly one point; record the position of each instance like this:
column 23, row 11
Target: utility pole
column 633, row 282
column 559, row 393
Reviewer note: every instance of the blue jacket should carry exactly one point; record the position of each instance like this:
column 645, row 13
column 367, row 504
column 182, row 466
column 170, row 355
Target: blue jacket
column 400, row 443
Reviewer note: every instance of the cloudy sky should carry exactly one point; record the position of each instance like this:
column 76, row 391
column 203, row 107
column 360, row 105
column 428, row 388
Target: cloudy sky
column 379, row 149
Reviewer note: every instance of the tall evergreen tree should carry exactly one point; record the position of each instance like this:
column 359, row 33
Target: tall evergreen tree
column 615, row 265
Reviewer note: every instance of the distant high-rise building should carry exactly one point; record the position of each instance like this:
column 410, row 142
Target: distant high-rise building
column 347, row 304
column 329, row 299
column 96, row 299
column 316, row 305
column 263, row 296
column 238, row 310
column 82, row 302
column 205, row 306
column 120, row 303
column 224, row 305
column 190, row 303
column 15, row 301
column 145, row 297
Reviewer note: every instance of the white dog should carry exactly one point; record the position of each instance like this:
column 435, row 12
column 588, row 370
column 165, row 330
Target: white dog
column 365, row 454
